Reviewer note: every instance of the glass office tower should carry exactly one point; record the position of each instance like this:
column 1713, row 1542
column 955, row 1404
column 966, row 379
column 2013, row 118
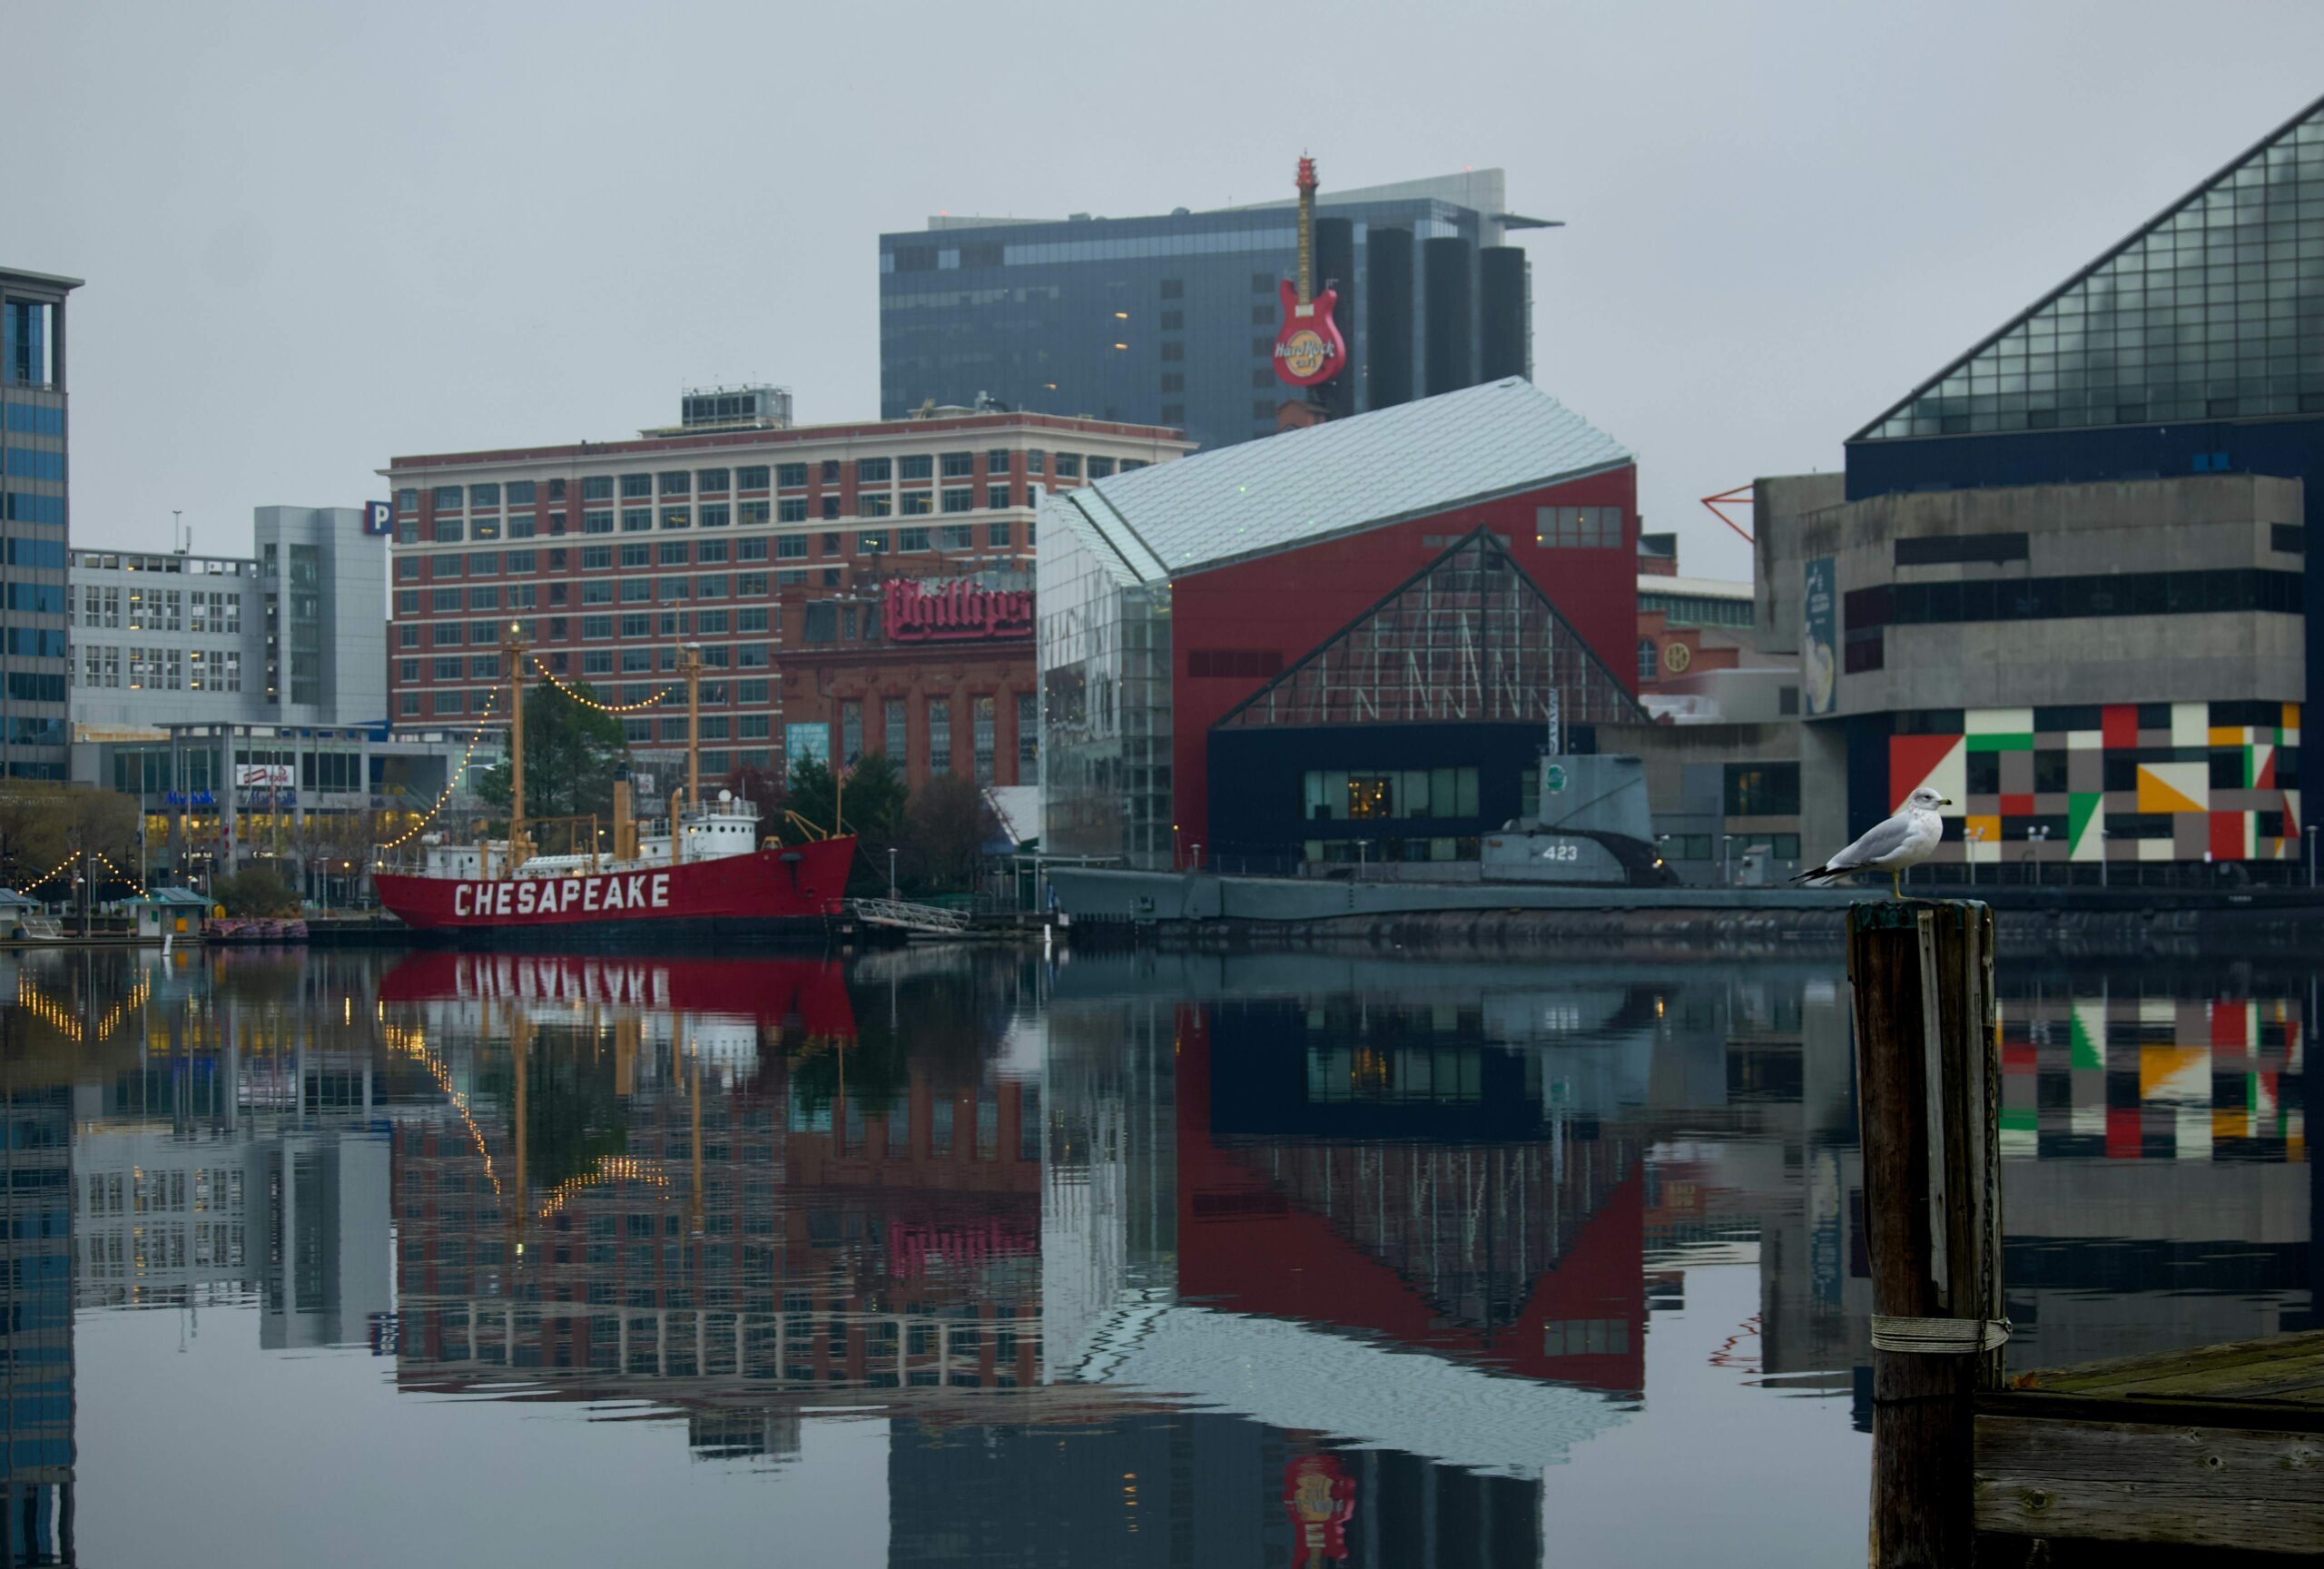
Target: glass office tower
column 1171, row 319
column 34, row 731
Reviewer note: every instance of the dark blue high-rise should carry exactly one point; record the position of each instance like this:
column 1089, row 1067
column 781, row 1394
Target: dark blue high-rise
column 1171, row 319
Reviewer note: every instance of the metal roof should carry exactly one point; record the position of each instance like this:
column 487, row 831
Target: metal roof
column 1453, row 450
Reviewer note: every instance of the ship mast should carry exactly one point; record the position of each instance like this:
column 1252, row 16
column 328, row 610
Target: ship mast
column 690, row 667
column 512, row 649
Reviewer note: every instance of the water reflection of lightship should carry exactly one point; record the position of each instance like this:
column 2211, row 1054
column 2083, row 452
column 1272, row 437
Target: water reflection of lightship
column 698, row 877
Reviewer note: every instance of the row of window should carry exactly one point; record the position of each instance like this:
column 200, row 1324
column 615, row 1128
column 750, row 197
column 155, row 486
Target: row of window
column 792, row 510
column 491, row 496
column 632, row 555
column 2057, row 719
column 157, row 609
column 2226, row 589
column 159, row 670
column 1343, row 794
column 2227, row 767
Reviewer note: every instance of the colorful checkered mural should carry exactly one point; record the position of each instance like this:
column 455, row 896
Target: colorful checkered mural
column 2153, row 1078
column 2119, row 782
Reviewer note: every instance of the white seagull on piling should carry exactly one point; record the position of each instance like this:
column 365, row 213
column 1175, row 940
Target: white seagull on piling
column 1902, row 842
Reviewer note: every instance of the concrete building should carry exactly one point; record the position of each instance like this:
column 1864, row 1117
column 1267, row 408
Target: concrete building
column 288, row 635
column 2062, row 579
column 854, row 589
column 34, row 524
column 242, row 698
column 1251, row 651
column 1171, row 319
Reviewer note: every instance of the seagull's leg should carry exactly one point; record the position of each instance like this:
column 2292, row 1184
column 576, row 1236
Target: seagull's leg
column 1896, row 884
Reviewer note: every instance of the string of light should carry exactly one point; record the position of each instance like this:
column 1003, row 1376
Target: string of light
column 52, row 871
column 458, row 774
column 553, row 679
column 124, row 876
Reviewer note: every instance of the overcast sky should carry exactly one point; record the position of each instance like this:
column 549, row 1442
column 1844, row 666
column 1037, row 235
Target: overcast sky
column 317, row 236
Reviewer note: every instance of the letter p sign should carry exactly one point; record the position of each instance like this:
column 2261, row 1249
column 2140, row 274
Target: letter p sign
column 379, row 519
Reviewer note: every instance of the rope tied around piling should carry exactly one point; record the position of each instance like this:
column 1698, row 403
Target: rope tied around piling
column 1938, row 1336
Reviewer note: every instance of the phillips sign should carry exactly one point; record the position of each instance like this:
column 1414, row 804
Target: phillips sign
column 949, row 612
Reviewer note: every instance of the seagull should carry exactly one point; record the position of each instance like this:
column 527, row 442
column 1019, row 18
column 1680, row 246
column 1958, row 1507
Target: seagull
column 1903, row 841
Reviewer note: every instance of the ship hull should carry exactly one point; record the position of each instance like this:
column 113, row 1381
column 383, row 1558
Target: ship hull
column 778, row 895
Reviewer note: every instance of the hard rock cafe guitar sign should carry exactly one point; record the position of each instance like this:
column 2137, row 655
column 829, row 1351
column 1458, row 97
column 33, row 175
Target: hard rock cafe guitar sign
column 1309, row 350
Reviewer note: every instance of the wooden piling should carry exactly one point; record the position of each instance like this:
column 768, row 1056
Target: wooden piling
column 1929, row 1088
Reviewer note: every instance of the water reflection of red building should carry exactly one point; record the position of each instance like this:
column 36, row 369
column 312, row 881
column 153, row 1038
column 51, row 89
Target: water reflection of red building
column 1523, row 1253
column 615, row 1206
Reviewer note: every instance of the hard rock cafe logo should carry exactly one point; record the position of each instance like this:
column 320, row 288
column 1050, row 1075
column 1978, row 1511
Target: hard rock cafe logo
column 1320, row 1498
column 1303, row 353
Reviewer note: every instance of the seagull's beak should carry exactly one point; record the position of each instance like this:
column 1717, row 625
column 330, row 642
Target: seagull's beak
column 1944, row 800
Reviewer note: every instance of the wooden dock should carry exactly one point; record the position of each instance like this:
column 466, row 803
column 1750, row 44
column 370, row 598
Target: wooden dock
column 2214, row 1456
column 2218, row 1447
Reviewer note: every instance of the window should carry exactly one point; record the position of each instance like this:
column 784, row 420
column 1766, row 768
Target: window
column 956, row 536
column 790, row 546
column 716, row 515
column 676, row 518
column 1762, row 789
column 1650, row 663
column 597, row 558
column 598, row 522
column 789, row 475
column 959, row 500
column 520, row 561
column 1001, row 536
column 879, row 506
column 916, row 504
column 940, row 735
column 596, row 662
column 449, row 531
column 752, row 550
column 448, row 669
column 1173, row 288
column 447, row 497
column 598, row 488
column 750, row 585
column 407, row 705
column 1029, row 735
column 676, row 482
column 850, row 733
column 921, row 466
column 895, row 721
column 712, row 481
column 408, row 500
column 445, row 599
column 871, row 542
column 750, row 692
column 912, row 539
column 636, row 520
column 406, row 603
column 752, row 477
column 636, row 486
column 1068, row 465
column 672, row 553
column 710, row 623
column 1578, row 527
column 830, row 507
column 959, row 465
column 637, row 553
column 996, row 496
column 789, row 509
column 637, row 590
column 447, row 702
column 597, row 627
column 982, row 733
column 754, row 726
column 485, row 596
column 713, row 587
column 1036, row 461
column 710, row 552
column 1101, row 468
column 996, row 462
column 671, row 590
column 874, row 470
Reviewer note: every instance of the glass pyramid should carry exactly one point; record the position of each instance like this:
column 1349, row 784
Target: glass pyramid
column 1469, row 638
column 2214, row 311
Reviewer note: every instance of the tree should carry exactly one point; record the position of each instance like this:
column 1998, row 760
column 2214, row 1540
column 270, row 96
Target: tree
column 257, row 889
column 43, row 824
column 571, row 753
column 876, row 801
column 945, row 833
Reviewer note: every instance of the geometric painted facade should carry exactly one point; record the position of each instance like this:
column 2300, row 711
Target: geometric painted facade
column 2114, row 782
column 2153, row 1078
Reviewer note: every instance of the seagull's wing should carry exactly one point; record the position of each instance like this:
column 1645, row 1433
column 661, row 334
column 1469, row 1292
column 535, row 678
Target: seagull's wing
column 1884, row 839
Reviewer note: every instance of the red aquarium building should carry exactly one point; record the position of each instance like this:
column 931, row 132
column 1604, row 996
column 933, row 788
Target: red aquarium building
column 1352, row 640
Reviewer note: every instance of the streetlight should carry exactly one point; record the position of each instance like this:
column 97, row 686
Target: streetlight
column 892, row 894
column 1974, row 834
column 2311, row 854
column 2103, row 837
column 1726, row 858
column 2035, row 837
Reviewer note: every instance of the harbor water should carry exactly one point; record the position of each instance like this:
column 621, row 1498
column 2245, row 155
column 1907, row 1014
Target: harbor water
column 974, row 1257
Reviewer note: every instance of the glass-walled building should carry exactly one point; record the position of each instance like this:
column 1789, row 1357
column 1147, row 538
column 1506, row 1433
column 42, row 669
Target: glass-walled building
column 1171, row 319
column 33, row 525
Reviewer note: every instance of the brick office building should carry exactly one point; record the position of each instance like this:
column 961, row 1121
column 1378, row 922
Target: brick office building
column 854, row 589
